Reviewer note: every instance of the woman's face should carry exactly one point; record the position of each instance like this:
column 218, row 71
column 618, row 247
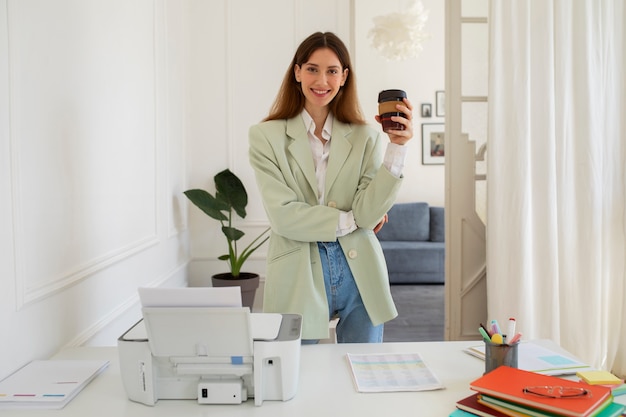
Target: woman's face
column 321, row 77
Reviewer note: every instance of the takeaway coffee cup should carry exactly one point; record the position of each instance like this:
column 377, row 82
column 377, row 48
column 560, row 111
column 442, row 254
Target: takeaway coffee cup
column 387, row 100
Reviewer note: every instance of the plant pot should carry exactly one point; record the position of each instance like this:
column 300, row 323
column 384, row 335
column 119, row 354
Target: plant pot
column 248, row 281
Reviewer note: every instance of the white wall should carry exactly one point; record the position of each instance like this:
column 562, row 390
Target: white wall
column 91, row 168
column 110, row 109
column 420, row 77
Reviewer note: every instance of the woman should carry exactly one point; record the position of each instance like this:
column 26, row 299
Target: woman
column 326, row 189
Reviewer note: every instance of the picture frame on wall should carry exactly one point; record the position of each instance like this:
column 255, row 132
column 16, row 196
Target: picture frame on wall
column 433, row 144
column 427, row 110
column 440, row 103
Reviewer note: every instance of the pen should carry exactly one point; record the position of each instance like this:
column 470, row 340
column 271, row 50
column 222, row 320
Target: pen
column 511, row 327
column 485, row 329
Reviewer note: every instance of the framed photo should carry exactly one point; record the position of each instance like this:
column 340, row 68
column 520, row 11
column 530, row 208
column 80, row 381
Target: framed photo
column 433, row 150
column 426, row 110
column 440, row 100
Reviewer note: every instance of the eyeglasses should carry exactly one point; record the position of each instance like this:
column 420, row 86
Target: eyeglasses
column 557, row 391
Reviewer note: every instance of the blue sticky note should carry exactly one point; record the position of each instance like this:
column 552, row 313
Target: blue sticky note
column 236, row 360
column 557, row 360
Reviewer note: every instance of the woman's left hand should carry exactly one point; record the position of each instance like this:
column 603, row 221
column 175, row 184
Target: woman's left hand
column 380, row 224
column 401, row 137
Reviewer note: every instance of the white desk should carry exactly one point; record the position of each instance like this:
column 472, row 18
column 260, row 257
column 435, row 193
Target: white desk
column 325, row 389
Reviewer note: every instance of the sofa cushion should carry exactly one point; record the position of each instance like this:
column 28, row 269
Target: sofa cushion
column 437, row 224
column 407, row 222
column 413, row 256
column 415, row 262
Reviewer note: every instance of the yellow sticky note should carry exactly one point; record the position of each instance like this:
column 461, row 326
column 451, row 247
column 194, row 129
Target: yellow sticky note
column 599, row 377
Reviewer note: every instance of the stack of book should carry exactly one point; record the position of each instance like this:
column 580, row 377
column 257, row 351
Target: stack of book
column 515, row 392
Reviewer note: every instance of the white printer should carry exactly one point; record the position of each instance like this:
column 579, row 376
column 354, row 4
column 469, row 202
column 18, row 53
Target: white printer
column 199, row 343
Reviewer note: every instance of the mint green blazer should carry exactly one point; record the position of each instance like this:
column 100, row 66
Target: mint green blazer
column 355, row 180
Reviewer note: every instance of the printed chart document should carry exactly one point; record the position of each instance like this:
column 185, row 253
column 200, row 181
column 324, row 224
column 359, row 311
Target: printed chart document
column 391, row 372
column 48, row 384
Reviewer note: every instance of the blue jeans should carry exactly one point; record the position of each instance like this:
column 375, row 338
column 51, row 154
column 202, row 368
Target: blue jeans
column 344, row 300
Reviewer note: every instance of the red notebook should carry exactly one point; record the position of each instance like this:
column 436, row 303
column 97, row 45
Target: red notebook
column 471, row 405
column 510, row 383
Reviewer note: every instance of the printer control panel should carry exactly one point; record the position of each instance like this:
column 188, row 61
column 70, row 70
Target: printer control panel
column 290, row 327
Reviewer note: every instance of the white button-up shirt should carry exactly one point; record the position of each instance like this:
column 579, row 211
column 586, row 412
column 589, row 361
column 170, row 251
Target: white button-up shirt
column 393, row 161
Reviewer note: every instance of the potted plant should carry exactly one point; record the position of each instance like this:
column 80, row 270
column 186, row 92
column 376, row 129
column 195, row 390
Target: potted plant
column 230, row 197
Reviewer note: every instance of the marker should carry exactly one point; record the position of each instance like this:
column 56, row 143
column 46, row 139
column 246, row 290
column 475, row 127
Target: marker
column 497, row 339
column 511, row 327
column 485, row 329
column 515, row 339
column 494, row 327
column 484, row 333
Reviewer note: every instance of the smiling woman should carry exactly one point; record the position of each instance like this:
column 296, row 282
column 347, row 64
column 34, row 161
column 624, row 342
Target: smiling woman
column 323, row 261
column 320, row 78
column 291, row 99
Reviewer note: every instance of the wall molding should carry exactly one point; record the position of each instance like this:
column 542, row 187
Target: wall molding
column 39, row 292
column 126, row 311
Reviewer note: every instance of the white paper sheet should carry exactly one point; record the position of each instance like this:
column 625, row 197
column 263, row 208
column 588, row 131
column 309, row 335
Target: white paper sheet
column 391, row 372
column 190, row 297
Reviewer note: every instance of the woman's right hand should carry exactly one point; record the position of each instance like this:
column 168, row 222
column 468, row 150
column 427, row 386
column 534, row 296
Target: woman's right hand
column 401, row 137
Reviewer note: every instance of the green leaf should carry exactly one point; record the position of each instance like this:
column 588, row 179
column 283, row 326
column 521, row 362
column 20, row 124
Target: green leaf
column 207, row 203
column 231, row 233
column 230, row 189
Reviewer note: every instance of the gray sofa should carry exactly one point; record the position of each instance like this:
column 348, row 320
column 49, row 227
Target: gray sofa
column 413, row 244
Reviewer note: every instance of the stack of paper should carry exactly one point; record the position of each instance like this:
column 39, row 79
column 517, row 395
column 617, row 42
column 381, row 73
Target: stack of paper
column 48, row 384
column 536, row 358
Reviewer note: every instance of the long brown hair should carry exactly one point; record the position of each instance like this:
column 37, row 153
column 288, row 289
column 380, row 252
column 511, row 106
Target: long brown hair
column 290, row 99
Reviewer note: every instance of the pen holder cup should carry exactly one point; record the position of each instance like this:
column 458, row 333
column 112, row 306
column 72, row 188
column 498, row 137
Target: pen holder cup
column 498, row 355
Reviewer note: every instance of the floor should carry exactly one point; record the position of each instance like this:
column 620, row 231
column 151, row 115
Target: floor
column 420, row 314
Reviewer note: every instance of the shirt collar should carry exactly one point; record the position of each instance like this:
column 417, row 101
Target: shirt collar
column 327, row 130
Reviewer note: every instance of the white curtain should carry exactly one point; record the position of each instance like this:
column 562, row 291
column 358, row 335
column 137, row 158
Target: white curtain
column 556, row 212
